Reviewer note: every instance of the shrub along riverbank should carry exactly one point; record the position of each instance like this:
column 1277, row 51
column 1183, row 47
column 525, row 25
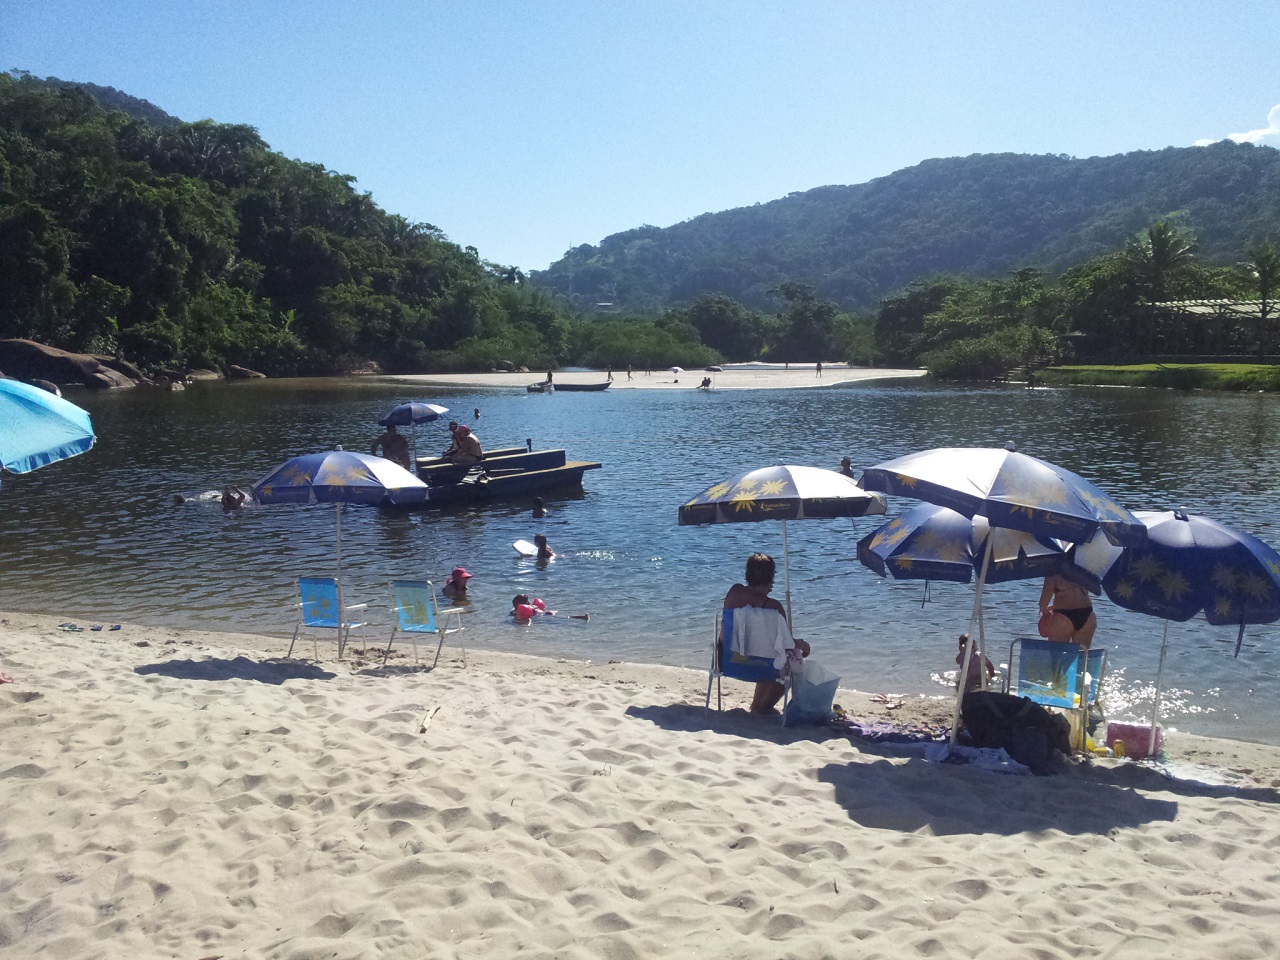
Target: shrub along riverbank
column 1178, row 376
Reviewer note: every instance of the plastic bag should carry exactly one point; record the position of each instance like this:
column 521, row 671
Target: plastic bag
column 813, row 690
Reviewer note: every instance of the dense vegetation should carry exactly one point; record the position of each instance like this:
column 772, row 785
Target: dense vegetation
column 981, row 216
column 126, row 231
column 194, row 245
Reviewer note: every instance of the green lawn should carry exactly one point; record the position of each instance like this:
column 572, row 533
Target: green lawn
column 1179, row 376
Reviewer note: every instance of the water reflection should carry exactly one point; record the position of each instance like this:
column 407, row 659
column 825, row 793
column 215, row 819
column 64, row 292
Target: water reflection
column 101, row 536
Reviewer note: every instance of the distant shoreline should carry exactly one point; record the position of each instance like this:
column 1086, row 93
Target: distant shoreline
column 745, row 377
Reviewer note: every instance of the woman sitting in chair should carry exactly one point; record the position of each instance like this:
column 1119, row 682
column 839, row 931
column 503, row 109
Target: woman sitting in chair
column 755, row 593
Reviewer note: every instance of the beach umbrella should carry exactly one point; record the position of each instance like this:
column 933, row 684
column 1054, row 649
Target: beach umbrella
column 1011, row 490
column 781, row 493
column 1189, row 564
column 676, row 369
column 929, row 542
column 411, row 414
column 38, row 428
column 340, row 477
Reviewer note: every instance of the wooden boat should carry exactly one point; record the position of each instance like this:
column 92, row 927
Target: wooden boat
column 504, row 473
column 541, row 387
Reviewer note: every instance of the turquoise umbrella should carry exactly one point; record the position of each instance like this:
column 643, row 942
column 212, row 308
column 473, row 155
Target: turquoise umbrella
column 38, row 428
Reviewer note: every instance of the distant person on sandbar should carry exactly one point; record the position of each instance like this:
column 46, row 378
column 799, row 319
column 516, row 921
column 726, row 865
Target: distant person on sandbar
column 609, row 374
column 628, row 371
column 394, row 447
column 755, row 593
column 818, row 367
column 233, row 498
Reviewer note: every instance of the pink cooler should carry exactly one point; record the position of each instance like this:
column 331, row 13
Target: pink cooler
column 1135, row 737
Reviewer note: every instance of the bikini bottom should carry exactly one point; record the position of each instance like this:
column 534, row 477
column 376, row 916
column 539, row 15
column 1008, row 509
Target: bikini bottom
column 1078, row 616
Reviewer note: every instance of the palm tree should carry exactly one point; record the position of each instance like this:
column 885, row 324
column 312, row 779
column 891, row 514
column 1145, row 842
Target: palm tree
column 1263, row 270
column 1158, row 259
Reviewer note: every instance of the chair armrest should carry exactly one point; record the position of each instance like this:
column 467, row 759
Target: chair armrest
column 448, row 610
column 357, row 606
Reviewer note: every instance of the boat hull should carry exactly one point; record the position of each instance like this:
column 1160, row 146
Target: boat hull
column 568, row 387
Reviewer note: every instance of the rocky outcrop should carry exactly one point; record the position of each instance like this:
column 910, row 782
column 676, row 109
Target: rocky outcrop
column 28, row 360
column 237, row 372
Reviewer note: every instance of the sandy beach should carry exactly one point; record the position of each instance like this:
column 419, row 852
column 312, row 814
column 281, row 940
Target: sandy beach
column 754, row 377
column 193, row 795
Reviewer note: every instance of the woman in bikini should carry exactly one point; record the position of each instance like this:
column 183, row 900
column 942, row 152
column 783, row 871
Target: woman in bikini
column 1073, row 618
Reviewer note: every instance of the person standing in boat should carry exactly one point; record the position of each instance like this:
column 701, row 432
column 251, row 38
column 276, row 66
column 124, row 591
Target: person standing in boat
column 394, row 447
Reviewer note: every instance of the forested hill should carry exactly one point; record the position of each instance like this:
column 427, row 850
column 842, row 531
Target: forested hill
column 175, row 245
column 979, row 216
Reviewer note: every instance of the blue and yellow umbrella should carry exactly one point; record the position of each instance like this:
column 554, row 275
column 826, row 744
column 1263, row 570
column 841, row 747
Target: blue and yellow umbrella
column 340, row 477
column 781, row 493
column 1188, row 565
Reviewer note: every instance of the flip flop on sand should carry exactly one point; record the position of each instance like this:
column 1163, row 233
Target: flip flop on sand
column 71, row 627
column 5, row 678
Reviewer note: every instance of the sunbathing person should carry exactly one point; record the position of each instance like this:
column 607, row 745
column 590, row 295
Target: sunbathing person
column 755, row 593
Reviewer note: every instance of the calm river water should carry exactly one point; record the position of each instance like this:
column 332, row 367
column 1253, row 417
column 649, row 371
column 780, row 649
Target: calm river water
column 98, row 538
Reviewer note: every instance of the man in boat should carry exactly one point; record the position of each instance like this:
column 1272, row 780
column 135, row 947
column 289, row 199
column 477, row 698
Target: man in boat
column 466, row 446
column 394, row 447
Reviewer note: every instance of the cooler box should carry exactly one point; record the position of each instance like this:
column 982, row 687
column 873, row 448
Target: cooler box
column 1135, row 737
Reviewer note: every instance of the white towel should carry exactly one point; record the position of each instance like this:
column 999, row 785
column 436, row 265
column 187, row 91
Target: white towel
column 759, row 632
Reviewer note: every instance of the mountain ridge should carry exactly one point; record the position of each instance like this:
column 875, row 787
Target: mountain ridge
column 982, row 215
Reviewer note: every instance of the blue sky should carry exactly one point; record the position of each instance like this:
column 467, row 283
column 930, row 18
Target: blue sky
column 525, row 128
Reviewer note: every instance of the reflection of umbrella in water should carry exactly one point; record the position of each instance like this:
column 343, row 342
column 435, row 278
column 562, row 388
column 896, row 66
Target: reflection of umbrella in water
column 1011, row 490
column 38, row 428
column 1188, row 564
column 413, row 413
column 340, row 477
column 781, row 493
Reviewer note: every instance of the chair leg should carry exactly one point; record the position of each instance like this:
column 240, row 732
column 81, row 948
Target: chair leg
column 438, row 646
column 296, row 630
column 390, row 641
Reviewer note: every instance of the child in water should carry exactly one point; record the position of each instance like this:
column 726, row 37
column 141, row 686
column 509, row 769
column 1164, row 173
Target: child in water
column 524, row 609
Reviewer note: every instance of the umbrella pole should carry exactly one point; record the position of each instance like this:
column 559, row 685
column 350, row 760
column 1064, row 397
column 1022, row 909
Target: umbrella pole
column 968, row 650
column 342, row 609
column 786, row 570
column 1155, row 709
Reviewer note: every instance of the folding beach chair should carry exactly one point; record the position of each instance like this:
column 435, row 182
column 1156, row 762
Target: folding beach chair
column 318, row 610
column 416, row 611
column 745, row 665
column 1053, row 675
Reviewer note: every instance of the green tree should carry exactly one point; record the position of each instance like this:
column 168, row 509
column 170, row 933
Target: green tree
column 1262, row 271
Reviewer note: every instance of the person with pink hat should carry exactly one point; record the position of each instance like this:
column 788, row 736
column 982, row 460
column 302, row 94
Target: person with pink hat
column 455, row 588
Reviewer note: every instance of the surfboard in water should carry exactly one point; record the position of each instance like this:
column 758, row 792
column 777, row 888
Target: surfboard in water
column 525, row 548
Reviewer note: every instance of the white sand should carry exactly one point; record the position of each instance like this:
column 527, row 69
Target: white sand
column 166, row 795
column 777, row 377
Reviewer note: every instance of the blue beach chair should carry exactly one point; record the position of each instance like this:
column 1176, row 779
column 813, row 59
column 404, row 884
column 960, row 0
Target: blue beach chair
column 1053, row 675
column 416, row 611
column 318, row 610
column 726, row 663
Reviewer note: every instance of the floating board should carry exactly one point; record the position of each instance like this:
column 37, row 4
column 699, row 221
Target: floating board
column 525, row 548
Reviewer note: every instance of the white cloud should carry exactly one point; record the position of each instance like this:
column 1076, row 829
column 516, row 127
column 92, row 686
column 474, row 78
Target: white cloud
column 1268, row 134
